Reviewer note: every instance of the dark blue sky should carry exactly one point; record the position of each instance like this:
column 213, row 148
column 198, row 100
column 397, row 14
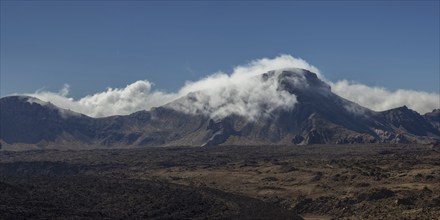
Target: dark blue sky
column 92, row 45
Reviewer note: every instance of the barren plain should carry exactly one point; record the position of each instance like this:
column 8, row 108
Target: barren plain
column 372, row 181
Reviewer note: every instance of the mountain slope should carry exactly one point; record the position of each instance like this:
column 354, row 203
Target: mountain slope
column 433, row 118
column 29, row 120
column 318, row 117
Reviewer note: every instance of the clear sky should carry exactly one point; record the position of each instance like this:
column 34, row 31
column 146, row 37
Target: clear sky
column 91, row 45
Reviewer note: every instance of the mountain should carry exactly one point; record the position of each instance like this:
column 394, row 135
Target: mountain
column 434, row 118
column 29, row 121
column 318, row 117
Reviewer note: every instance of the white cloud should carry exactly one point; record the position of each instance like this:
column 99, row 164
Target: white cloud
column 241, row 92
column 221, row 95
column 218, row 95
column 134, row 97
column 380, row 99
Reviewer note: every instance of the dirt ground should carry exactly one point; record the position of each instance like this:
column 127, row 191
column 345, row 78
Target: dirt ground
column 316, row 182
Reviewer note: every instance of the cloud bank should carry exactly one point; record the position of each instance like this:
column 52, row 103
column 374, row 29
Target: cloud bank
column 240, row 92
column 114, row 101
column 380, row 99
column 243, row 92
column 237, row 94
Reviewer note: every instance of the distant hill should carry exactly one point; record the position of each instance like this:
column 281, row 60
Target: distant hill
column 318, row 117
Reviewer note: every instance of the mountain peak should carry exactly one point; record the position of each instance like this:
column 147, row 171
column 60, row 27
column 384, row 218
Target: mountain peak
column 23, row 98
column 435, row 112
column 29, row 102
column 402, row 109
column 295, row 80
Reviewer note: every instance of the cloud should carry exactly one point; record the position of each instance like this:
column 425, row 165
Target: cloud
column 380, row 99
column 249, row 96
column 134, row 97
column 243, row 92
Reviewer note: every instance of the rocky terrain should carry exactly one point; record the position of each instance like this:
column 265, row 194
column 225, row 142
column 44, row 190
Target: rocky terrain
column 325, row 157
column 372, row 181
column 318, row 117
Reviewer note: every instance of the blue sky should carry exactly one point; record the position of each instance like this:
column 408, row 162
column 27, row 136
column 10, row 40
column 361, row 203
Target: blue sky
column 91, row 45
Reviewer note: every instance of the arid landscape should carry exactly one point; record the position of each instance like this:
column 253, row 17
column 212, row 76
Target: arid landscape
column 246, row 110
column 372, row 181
